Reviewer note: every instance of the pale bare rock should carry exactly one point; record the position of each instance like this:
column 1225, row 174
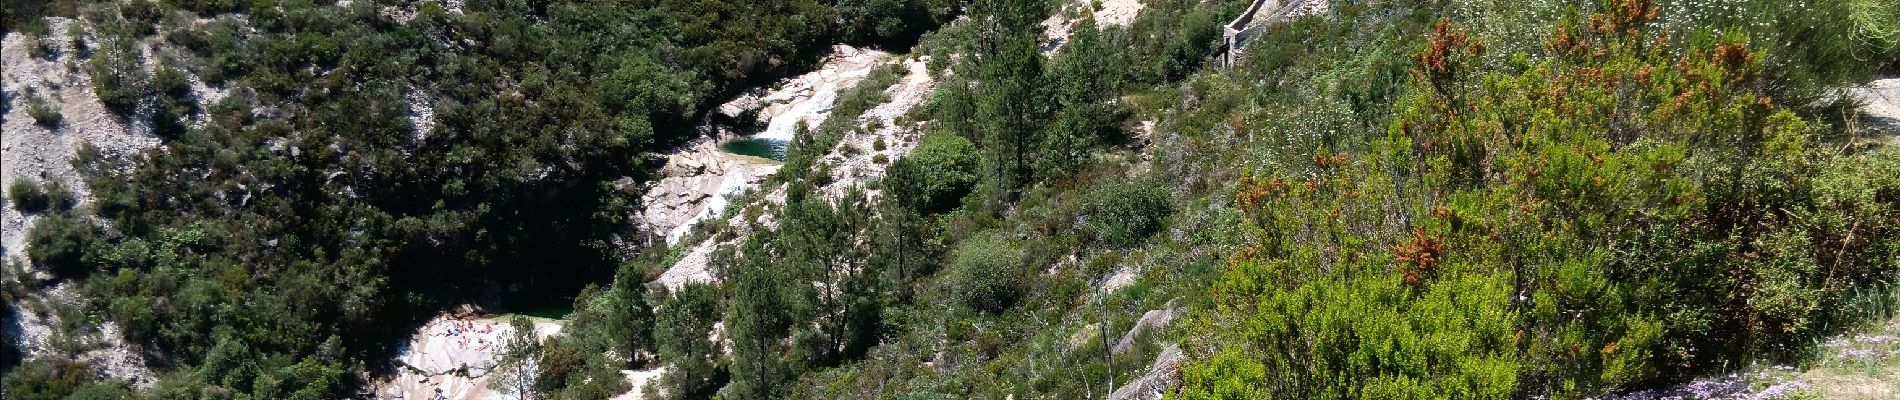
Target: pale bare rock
column 421, row 113
column 105, row 353
column 699, row 180
column 454, row 354
column 695, row 267
column 1164, row 374
column 1258, row 17
column 1123, row 277
column 1880, row 104
column 695, row 185
column 30, row 151
column 808, row 99
column 1150, row 321
column 1057, row 28
column 33, row 332
column 112, row 357
column 853, row 168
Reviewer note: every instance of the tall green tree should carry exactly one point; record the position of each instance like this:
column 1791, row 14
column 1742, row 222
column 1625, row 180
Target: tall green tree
column 520, row 354
column 760, row 317
column 1081, row 87
column 682, row 336
column 1012, row 106
column 633, row 321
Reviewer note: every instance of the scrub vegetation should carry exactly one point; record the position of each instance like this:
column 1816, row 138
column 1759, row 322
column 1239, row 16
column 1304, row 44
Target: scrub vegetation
column 1390, row 199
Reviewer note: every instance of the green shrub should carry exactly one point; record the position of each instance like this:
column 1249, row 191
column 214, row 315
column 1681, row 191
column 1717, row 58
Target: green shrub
column 58, row 198
column 43, row 114
column 1125, row 213
column 42, row 48
column 27, row 196
column 118, row 77
column 141, row 15
column 1228, row 375
column 56, row 378
column 61, row 243
column 986, row 272
column 936, row 176
column 76, row 34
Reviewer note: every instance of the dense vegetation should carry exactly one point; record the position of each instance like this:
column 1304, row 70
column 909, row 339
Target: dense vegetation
column 281, row 244
column 1394, row 199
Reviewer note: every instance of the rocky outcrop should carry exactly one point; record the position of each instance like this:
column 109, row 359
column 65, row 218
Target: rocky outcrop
column 1258, row 17
column 638, row 380
column 698, row 181
column 859, row 157
column 1880, row 105
column 32, row 151
column 1164, row 374
column 1151, row 321
column 699, row 178
column 1057, row 28
column 695, row 185
column 453, row 356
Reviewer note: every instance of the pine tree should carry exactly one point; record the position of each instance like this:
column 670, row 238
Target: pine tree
column 633, row 316
column 759, row 319
column 520, row 357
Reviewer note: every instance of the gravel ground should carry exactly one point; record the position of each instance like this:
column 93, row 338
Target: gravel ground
column 44, row 154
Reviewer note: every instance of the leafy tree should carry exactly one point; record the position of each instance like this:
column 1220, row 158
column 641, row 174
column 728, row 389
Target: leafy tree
column 882, row 20
column 903, row 244
column 825, row 240
column 760, row 367
column 1011, row 102
column 632, row 317
column 1080, row 89
column 118, row 76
